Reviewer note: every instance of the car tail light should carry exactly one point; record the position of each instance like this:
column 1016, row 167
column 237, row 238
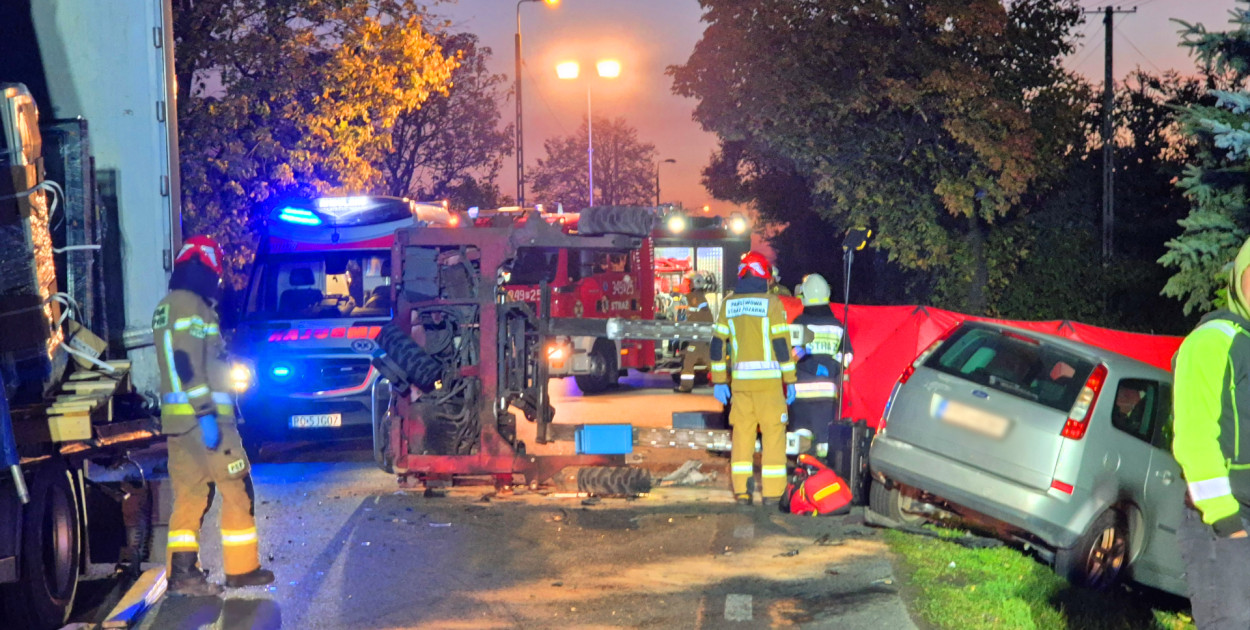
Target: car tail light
column 1065, row 488
column 1083, row 408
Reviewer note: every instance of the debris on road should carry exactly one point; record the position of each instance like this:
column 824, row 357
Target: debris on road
column 689, row 474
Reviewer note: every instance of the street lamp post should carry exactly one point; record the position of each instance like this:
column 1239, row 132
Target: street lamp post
column 607, row 69
column 657, row 177
column 520, row 138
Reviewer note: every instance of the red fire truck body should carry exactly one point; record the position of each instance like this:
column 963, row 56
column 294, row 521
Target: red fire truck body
column 646, row 283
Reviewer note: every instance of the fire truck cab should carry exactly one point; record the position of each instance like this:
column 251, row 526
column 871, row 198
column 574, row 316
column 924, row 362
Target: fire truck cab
column 647, row 283
column 319, row 293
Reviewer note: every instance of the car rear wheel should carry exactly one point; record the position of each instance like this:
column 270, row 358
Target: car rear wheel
column 891, row 502
column 1099, row 555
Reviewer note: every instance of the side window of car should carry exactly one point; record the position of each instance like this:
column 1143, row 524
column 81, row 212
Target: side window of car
column 1163, row 419
column 1135, row 408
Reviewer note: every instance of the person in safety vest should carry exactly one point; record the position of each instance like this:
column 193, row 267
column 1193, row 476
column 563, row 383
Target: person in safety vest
column 751, row 363
column 1211, row 442
column 197, row 415
column 694, row 355
column 822, row 353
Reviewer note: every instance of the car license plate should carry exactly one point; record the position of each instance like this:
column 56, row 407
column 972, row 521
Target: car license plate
column 973, row 419
column 317, row 421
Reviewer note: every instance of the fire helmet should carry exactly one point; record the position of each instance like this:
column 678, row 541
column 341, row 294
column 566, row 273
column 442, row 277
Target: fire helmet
column 754, row 264
column 814, row 290
column 203, row 247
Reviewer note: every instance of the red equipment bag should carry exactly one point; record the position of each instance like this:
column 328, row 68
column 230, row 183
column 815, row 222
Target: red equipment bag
column 816, row 490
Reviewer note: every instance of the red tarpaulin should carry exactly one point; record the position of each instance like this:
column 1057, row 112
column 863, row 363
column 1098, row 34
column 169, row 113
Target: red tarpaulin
column 887, row 338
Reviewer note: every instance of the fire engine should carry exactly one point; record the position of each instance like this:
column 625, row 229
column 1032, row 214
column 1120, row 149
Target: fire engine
column 317, row 297
column 643, row 284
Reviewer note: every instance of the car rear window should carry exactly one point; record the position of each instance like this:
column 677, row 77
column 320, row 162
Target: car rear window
column 1015, row 364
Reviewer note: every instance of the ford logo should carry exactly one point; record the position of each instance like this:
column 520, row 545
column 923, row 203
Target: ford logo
column 976, row 392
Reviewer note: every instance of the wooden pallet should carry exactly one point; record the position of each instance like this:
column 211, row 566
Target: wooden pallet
column 86, row 400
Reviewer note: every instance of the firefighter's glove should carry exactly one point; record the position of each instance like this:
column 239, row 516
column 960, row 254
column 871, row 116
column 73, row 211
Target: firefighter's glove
column 210, row 433
column 790, row 394
column 822, row 370
column 721, row 393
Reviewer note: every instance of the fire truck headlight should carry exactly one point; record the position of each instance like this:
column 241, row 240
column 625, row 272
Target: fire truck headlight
column 241, row 376
column 676, row 224
column 738, row 224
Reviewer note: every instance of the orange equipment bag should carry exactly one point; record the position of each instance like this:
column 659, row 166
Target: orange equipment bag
column 816, row 490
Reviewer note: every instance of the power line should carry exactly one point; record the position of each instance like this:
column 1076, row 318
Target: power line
column 1143, row 55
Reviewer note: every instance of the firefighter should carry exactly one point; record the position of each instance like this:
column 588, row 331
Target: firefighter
column 694, row 355
column 774, row 284
column 824, row 351
column 197, row 414
column 751, row 363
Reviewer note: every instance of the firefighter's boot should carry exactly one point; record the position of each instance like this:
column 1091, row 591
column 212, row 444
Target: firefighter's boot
column 187, row 579
column 256, row 577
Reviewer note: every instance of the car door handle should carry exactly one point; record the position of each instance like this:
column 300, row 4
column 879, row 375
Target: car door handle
column 1165, row 477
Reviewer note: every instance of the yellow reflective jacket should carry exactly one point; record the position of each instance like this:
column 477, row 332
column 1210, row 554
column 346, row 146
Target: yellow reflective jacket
column 193, row 364
column 754, row 343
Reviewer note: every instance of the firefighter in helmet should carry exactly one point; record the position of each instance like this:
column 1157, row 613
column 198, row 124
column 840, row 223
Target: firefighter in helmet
column 197, row 415
column 694, row 355
column 774, row 284
column 751, row 363
column 823, row 352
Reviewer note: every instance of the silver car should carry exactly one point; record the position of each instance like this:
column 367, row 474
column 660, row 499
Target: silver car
column 1054, row 443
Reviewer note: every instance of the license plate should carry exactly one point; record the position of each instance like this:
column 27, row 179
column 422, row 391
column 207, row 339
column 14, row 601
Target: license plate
column 317, row 421
column 973, row 419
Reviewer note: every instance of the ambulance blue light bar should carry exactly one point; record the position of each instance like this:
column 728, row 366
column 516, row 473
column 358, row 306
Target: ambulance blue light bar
column 299, row 216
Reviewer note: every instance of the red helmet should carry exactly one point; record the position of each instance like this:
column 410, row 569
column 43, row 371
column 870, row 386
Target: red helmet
column 755, row 264
column 204, row 248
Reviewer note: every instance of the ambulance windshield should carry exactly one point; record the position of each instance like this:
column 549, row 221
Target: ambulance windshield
column 321, row 285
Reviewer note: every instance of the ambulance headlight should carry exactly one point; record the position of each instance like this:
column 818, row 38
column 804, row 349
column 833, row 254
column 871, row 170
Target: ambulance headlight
column 242, row 376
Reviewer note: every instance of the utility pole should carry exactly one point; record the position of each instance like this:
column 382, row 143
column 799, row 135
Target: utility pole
column 1108, row 135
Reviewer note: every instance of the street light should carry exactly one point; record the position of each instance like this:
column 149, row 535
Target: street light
column 657, row 177
column 520, row 143
column 607, row 69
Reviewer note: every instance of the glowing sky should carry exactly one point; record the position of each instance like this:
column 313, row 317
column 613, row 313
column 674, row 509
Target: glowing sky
column 646, row 36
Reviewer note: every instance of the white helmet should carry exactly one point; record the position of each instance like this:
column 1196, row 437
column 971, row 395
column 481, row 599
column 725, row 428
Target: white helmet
column 814, row 291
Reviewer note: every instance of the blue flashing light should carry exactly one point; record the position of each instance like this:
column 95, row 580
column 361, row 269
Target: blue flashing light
column 299, row 216
column 280, row 371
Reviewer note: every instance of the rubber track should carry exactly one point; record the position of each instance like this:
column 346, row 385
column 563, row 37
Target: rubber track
column 613, row 481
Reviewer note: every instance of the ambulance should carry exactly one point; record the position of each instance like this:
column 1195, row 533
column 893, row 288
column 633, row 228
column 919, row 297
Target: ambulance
column 318, row 295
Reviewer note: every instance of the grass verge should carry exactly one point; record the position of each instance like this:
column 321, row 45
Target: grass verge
column 951, row 586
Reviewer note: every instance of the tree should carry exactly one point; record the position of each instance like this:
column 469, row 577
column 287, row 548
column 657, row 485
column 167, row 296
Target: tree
column 1215, row 178
column 292, row 98
column 453, row 144
column 926, row 121
column 624, row 168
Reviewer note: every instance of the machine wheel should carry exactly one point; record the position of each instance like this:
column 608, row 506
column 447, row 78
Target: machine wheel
column 631, row 220
column 51, row 545
column 1099, row 555
column 613, row 481
column 603, row 364
column 892, row 503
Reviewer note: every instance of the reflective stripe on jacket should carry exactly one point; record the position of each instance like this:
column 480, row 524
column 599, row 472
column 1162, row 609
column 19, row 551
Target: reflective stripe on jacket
column 193, row 366
column 754, row 351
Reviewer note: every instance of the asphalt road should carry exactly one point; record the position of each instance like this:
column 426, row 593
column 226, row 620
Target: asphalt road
column 353, row 550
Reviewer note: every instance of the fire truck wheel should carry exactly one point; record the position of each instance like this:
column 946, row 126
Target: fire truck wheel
column 603, row 366
column 613, row 481
column 51, row 543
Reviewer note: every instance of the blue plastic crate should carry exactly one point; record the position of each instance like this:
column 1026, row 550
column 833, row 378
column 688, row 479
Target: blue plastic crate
column 604, row 439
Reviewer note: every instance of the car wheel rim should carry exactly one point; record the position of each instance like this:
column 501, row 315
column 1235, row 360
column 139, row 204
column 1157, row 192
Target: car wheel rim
column 1106, row 557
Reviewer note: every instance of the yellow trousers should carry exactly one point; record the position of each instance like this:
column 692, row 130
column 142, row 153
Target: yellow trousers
column 195, row 472
column 762, row 411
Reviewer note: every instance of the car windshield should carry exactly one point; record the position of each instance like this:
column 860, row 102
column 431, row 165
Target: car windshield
column 1013, row 363
column 318, row 285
